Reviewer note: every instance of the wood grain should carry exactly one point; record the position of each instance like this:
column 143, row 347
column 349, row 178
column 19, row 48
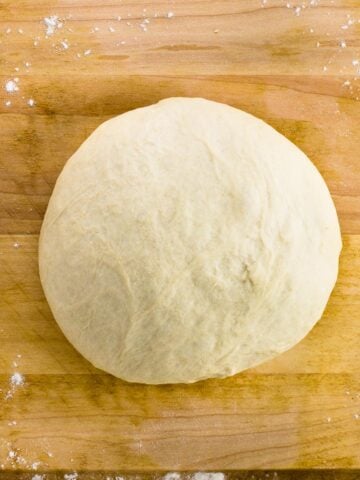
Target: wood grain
column 287, row 66
column 249, row 421
column 203, row 37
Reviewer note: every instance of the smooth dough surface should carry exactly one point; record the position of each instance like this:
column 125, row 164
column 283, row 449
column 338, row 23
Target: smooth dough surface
column 187, row 240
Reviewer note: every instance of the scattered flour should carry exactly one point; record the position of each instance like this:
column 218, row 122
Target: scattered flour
column 17, row 379
column 208, row 476
column 15, row 459
column 143, row 26
column 52, row 23
column 70, row 476
column 11, row 86
column 64, row 44
column 172, row 476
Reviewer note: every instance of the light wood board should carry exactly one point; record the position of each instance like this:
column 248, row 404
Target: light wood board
column 287, row 66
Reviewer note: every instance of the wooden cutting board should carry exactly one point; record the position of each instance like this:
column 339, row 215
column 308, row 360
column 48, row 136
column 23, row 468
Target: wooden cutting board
column 295, row 66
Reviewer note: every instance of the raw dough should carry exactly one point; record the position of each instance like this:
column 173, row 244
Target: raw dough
column 187, row 240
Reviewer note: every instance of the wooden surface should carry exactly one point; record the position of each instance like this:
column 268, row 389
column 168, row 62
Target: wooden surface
column 285, row 65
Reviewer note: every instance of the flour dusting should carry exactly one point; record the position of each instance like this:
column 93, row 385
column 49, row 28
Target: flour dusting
column 64, row 44
column 17, row 379
column 70, row 476
column 172, row 476
column 208, row 476
column 11, row 86
column 52, row 23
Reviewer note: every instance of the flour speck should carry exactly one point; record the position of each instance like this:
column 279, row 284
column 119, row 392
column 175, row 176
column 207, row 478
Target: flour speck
column 17, row 379
column 172, row 476
column 208, row 476
column 52, row 23
column 64, row 44
column 70, row 476
column 11, row 86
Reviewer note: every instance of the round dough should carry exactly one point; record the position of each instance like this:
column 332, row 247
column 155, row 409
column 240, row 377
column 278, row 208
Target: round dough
column 187, row 240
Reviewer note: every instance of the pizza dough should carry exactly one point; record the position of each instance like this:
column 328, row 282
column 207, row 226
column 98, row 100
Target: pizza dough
column 187, row 240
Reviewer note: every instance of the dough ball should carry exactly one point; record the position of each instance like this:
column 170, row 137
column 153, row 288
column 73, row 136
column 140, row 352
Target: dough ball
column 187, row 240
